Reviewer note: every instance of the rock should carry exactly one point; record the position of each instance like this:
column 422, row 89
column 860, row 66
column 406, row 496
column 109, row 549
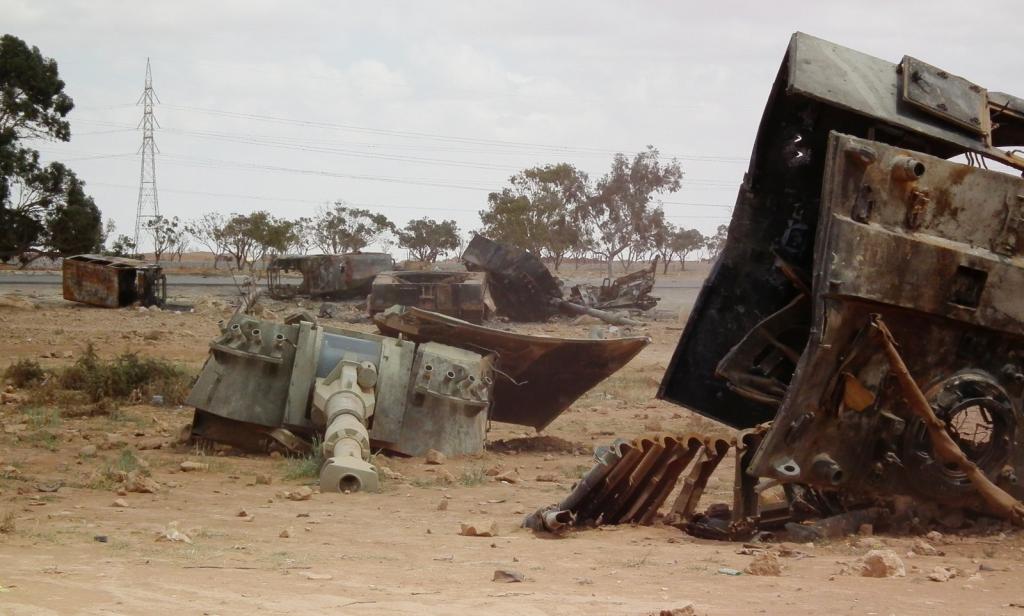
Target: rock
column 389, row 474
column 443, row 505
column 284, row 534
column 686, row 610
column 866, row 530
column 923, row 548
column 112, row 440
column 89, row 451
column 242, row 513
column 120, row 502
column 137, row 482
column 309, row 575
column 189, row 466
column 881, row 564
column 445, row 476
column 478, row 530
column 653, row 426
column 434, row 456
column 549, row 477
column 493, row 471
column 509, row 476
column 942, row 574
column 302, row 494
column 171, row 533
column 9, row 398
column 67, row 354
column 507, row 576
column 934, row 536
column 263, row 479
column 765, row 563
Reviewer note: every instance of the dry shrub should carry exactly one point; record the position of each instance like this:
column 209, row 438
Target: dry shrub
column 126, row 375
column 25, row 372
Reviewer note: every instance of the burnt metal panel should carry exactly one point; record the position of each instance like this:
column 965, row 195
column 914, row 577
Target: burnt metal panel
column 953, row 305
column 537, row 377
column 521, row 284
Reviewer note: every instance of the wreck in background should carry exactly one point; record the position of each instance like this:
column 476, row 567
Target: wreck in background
column 326, row 276
column 462, row 295
column 867, row 304
column 113, row 282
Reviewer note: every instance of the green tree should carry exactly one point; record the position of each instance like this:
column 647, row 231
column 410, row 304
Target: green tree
column 250, row 238
column 340, row 229
column 427, row 239
column 620, row 208
column 123, row 246
column 43, row 209
column 208, row 231
column 685, row 241
column 541, row 211
column 716, row 242
column 167, row 233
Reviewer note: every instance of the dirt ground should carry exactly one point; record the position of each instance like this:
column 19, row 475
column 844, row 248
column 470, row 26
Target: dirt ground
column 85, row 549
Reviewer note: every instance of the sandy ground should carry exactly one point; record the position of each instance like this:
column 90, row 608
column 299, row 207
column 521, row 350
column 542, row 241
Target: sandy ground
column 73, row 551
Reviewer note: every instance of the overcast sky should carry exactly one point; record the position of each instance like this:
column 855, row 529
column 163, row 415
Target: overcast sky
column 421, row 108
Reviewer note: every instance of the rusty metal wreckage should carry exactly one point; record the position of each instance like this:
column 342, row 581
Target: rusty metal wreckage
column 863, row 327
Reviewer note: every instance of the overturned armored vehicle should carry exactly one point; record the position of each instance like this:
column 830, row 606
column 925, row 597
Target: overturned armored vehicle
column 113, row 282
column 864, row 325
column 868, row 299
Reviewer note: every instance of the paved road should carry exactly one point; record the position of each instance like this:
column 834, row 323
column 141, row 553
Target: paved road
column 54, row 279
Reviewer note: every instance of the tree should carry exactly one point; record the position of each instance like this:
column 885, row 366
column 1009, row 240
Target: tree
column 208, row 231
column 661, row 238
column 340, row 229
column 123, row 246
column 43, row 209
column 250, row 238
column 716, row 242
column 685, row 241
column 541, row 211
column 620, row 206
column 427, row 239
column 166, row 233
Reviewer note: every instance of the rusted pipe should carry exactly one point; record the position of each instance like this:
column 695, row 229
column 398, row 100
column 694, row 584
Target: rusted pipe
column 999, row 502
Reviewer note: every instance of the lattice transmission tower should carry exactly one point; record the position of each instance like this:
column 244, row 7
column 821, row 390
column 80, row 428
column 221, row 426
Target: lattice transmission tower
column 149, row 205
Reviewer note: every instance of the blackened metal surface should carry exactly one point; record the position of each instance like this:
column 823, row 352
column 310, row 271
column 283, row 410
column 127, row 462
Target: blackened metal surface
column 629, row 291
column 536, row 377
column 520, row 283
column 821, row 87
column 937, row 254
column 326, row 276
column 458, row 294
column 112, row 282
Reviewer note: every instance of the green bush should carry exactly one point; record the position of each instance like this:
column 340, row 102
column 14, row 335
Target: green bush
column 25, row 372
column 125, row 374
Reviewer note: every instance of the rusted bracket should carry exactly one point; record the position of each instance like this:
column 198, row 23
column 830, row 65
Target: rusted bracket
column 694, row 485
column 999, row 502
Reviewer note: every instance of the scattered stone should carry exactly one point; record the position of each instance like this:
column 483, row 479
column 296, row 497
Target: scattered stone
column 445, row 476
column 923, row 548
column 866, row 530
column 150, row 443
column 549, row 477
column 443, row 505
column 310, row 575
column 284, row 534
column 263, row 479
column 189, row 466
column 171, row 533
column 50, row 487
column 120, row 502
column 100, row 538
column 507, row 576
column 137, row 482
column 882, row 564
column 389, row 474
column 302, row 494
column 113, row 441
column 434, row 456
column 942, row 574
column 686, row 610
column 493, row 471
column 934, row 536
column 67, row 354
column 471, row 530
column 729, row 571
column 653, row 426
column 509, row 476
column 9, row 398
column 765, row 563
